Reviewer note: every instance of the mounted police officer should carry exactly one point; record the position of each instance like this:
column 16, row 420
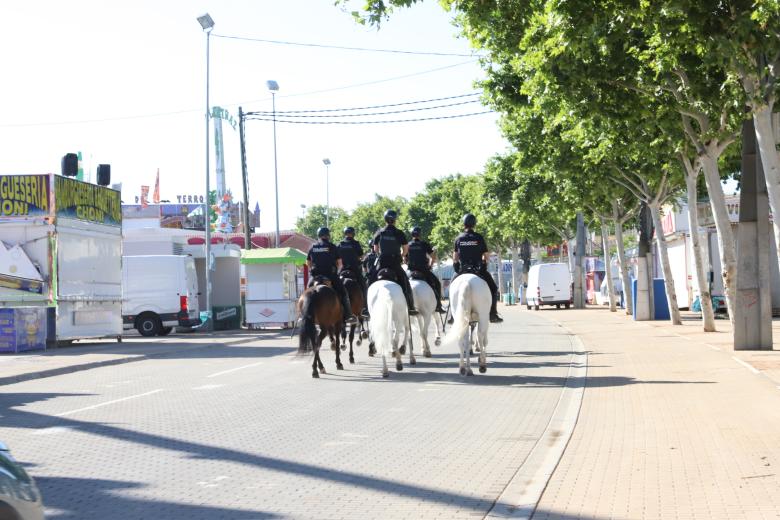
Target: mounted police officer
column 420, row 259
column 391, row 245
column 351, row 253
column 324, row 260
column 471, row 255
column 369, row 263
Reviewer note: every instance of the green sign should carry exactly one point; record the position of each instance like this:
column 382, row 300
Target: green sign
column 84, row 201
column 24, row 196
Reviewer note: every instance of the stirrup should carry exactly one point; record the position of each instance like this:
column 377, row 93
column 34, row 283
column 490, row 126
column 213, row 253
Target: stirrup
column 365, row 313
column 440, row 310
column 413, row 312
column 350, row 320
column 495, row 318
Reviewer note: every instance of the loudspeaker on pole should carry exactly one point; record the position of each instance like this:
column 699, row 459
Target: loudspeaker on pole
column 104, row 174
column 70, row 164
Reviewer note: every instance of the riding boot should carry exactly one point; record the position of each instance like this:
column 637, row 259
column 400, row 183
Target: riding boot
column 494, row 317
column 436, row 286
column 349, row 318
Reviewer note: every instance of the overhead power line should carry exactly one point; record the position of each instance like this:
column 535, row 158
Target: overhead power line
column 370, row 122
column 343, row 47
column 373, row 107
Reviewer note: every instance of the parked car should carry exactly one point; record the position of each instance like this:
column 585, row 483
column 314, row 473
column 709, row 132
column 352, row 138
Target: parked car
column 549, row 284
column 159, row 292
column 19, row 496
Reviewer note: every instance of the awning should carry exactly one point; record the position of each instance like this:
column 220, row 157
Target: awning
column 281, row 255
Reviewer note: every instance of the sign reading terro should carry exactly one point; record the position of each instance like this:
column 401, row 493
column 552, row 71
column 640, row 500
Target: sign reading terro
column 24, row 196
column 89, row 202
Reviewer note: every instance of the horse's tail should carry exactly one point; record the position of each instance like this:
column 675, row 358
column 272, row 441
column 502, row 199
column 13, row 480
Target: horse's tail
column 308, row 335
column 462, row 316
column 382, row 324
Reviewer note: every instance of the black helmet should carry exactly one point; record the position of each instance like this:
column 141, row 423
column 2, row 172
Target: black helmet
column 390, row 216
column 370, row 242
column 349, row 230
column 469, row 220
column 416, row 231
column 323, row 232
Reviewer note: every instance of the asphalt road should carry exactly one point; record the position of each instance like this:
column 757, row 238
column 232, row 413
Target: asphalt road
column 244, row 432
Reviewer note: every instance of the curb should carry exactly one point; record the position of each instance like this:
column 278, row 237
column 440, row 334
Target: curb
column 10, row 380
column 521, row 496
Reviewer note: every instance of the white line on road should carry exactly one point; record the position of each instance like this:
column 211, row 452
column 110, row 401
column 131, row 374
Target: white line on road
column 235, row 369
column 71, row 412
column 713, row 347
column 746, row 365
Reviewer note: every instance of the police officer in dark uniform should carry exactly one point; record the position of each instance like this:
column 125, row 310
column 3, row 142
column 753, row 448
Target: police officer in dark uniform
column 471, row 253
column 369, row 263
column 323, row 260
column 351, row 253
column 420, row 258
column 391, row 245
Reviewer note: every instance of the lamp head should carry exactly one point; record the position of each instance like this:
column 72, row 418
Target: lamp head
column 206, row 22
column 326, row 162
column 272, row 86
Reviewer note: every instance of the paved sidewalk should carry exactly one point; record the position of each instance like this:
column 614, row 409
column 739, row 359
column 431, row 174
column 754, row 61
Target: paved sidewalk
column 673, row 424
column 85, row 355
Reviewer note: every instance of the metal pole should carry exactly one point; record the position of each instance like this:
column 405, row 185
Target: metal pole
column 276, row 177
column 207, row 224
column 327, row 196
column 244, row 181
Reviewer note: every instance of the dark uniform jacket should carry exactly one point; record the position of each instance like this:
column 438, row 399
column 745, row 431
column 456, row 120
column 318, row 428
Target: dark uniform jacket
column 390, row 240
column 350, row 251
column 470, row 246
column 418, row 255
column 323, row 255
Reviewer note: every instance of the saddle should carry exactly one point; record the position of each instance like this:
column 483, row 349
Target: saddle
column 386, row 274
column 320, row 280
column 418, row 275
column 470, row 269
column 348, row 274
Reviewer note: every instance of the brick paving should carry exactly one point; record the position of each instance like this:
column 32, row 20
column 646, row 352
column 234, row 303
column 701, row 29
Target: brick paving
column 242, row 431
column 670, row 427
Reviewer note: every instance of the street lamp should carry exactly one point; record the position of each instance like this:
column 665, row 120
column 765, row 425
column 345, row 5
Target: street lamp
column 326, row 162
column 274, row 88
column 303, row 210
column 207, row 24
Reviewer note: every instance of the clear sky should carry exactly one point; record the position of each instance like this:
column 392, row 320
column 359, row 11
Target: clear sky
column 124, row 83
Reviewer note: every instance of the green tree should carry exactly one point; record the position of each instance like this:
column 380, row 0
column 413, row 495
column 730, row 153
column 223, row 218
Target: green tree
column 315, row 218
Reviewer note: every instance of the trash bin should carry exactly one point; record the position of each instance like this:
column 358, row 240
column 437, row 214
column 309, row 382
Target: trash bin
column 227, row 318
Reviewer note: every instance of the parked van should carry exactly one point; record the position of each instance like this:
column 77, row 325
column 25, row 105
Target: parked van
column 549, row 284
column 159, row 292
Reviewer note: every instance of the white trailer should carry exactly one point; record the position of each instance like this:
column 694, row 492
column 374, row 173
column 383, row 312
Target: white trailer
column 61, row 260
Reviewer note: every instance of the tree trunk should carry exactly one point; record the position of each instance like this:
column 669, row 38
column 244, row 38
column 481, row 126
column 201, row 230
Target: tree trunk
column 500, row 273
column 515, row 271
column 707, row 313
column 671, row 293
column 608, row 265
column 625, row 279
column 765, row 139
column 726, row 244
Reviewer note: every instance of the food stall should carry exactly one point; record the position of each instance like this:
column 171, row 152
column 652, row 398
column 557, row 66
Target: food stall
column 60, row 261
column 271, row 286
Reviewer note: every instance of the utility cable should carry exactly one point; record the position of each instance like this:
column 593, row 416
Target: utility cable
column 342, row 47
column 289, row 114
column 371, row 122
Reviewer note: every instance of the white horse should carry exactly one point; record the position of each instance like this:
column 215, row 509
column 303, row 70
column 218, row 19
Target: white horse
column 425, row 302
column 470, row 300
column 389, row 322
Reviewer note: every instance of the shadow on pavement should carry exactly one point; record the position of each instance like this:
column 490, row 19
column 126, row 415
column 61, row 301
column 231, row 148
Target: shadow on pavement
column 88, row 499
column 19, row 418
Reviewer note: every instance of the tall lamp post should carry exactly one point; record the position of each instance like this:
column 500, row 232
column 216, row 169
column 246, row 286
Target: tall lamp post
column 207, row 24
column 326, row 162
column 274, row 88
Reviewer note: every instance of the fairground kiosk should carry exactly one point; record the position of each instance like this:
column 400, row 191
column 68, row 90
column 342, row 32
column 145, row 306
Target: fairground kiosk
column 60, row 261
column 272, row 288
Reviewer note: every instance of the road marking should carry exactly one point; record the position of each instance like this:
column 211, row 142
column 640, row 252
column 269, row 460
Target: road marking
column 235, row 369
column 71, row 412
column 207, row 387
column 713, row 347
column 746, row 365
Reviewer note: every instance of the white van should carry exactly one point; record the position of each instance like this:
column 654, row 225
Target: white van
column 549, row 284
column 159, row 292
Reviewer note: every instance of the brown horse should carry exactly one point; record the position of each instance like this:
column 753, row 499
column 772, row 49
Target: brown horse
column 357, row 303
column 319, row 306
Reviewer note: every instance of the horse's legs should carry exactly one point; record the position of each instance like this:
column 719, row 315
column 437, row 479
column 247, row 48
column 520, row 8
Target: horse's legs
column 321, row 337
column 482, row 338
column 438, row 326
column 465, row 354
column 337, row 334
column 412, row 359
column 385, row 371
column 424, row 323
column 352, row 337
column 359, row 328
column 397, row 351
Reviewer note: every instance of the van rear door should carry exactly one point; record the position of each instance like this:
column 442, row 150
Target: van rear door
column 191, row 283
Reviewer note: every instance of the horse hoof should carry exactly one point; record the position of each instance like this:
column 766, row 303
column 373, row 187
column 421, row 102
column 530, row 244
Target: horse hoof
column 364, row 335
column 351, row 360
column 462, row 371
column 469, row 372
column 399, row 367
column 427, row 353
column 333, row 347
column 437, row 342
column 359, row 342
column 482, row 370
column 315, row 375
column 413, row 361
column 322, row 370
column 385, row 374
column 402, row 349
column 343, row 347
column 340, row 367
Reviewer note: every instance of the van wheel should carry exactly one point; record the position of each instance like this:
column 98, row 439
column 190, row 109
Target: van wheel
column 529, row 306
column 557, row 305
column 148, row 325
column 567, row 305
column 536, row 307
column 164, row 331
